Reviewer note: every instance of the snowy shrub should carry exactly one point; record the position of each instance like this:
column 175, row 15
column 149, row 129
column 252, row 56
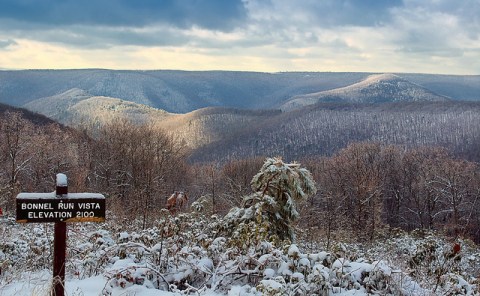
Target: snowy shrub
column 126, row 273
column 453, row 284
column 273, row 287
column 269, row 212
column 430, row 259
column 297, row 273
column 29, row 251
column 436, row 263
column 90, row 257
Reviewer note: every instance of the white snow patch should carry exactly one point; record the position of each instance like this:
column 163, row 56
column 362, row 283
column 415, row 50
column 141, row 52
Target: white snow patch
column 271, row 284
column 293, row 251
column 62, row 180
column 268, row 273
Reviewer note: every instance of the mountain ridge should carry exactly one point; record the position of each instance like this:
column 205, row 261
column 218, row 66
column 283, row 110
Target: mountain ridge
column 185, row 91
column 377, row 88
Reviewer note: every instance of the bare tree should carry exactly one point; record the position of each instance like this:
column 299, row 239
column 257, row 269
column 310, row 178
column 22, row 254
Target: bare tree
column 16, row 153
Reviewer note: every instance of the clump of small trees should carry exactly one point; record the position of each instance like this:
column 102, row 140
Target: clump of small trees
column 138, row 166
column 368, row 187
column 363, row 188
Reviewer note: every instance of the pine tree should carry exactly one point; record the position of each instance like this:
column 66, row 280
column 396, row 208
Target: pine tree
column 270, row 211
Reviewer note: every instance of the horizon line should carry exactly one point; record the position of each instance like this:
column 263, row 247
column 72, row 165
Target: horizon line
column 238, row 71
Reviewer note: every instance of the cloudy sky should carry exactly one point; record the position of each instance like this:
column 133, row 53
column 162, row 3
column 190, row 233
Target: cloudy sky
column 424, row 36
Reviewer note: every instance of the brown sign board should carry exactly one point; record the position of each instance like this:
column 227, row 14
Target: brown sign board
column 72, row 207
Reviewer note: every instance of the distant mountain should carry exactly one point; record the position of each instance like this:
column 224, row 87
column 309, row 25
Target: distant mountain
column 207, row 126
column 456, row 87
column 379, row 88
column 185, row 91
column 219, row 116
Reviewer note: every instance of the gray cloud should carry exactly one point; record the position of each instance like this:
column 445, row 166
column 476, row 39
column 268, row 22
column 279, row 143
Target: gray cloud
column 351, row 12
column 211, row 14
column 105, row 37
column 7, row 43
column 325, row 13
column 106, row 23
column 337, row 31
column 437, row 28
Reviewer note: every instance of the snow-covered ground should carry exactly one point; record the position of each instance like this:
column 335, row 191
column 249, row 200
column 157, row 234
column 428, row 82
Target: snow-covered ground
column 39, row 283
column 104, row 259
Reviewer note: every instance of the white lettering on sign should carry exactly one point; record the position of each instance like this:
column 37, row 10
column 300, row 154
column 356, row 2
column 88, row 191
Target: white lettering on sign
column 85, row 214
column 89, row 206
column 66, row 206
column 37, row 206
column 49, row 215
column 76, row 209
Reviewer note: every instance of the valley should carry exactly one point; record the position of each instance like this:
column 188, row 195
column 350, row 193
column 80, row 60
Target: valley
column 315, row 182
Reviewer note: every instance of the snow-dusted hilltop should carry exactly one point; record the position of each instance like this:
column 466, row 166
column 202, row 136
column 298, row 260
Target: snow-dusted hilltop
column 376, row 88
column 76, row 106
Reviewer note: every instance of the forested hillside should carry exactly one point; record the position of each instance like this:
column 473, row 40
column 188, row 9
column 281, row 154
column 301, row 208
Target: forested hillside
column 325, row 128
column 235, row 231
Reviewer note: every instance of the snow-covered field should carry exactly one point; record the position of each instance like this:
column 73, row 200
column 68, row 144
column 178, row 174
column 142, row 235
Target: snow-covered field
column 105, row 259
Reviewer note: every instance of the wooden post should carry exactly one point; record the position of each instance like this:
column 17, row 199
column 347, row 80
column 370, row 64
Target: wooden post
column 60, row 243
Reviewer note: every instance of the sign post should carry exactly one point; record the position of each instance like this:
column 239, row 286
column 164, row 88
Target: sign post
column 60, row 242
column 60, row 207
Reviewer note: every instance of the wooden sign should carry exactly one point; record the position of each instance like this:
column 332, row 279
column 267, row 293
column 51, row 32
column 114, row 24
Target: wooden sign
column 60, row 207
column 72, row 207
